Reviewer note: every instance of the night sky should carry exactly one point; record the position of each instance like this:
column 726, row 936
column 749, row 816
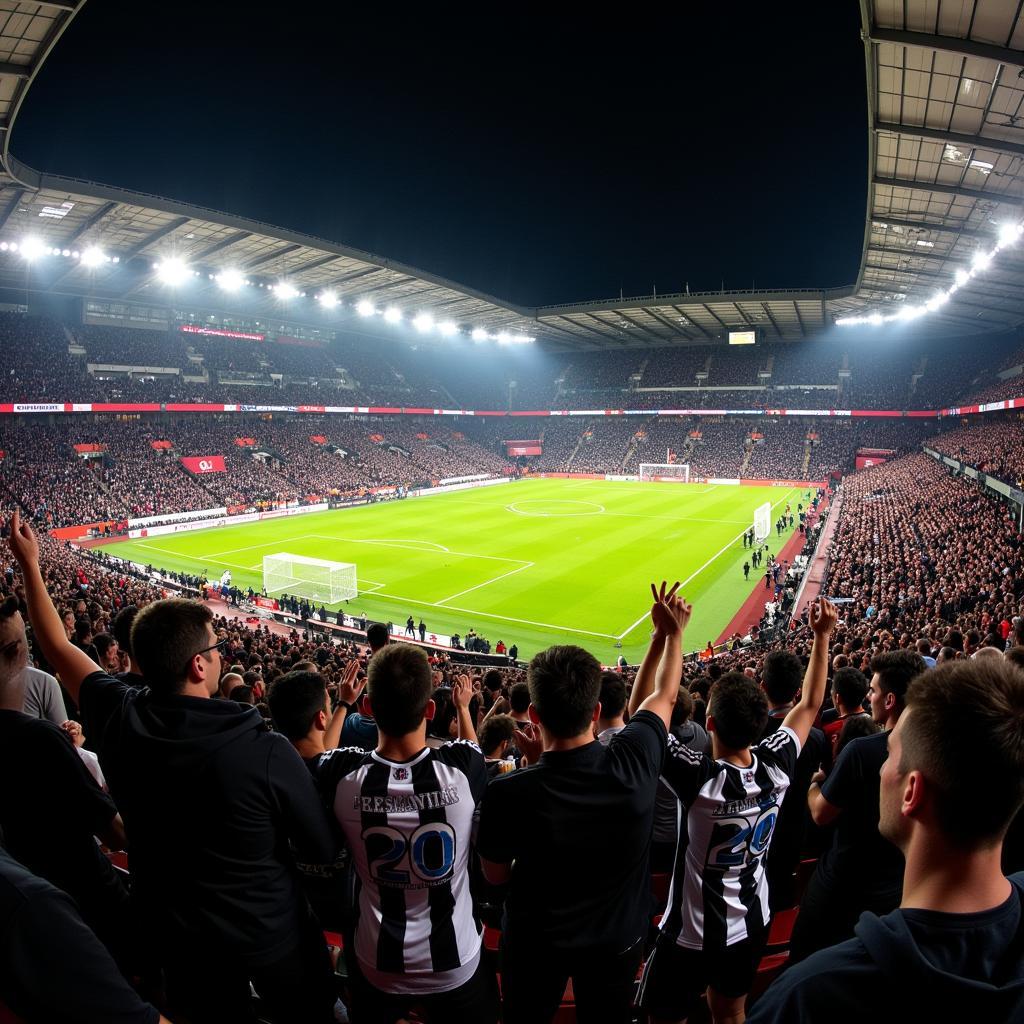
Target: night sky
column 546, row 158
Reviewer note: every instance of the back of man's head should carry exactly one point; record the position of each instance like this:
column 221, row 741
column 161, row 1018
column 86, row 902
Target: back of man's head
column 241, row 694
column 519, row 698
column 166, row 635
column 229, row 681
column 954, row 639
column 13, row 649
column 377, row 636
column 295, row 700
column 565, row 686
column 964, row 731
column 399, row 686
column 493, row 680
column 924, row 647
column 895, row 670
column 1015, row 655
column 739, row 710
column 850, row 685
column 782, row 676
column 682, row 711
column 122, row 627
column 613, row 695
column 495, row 731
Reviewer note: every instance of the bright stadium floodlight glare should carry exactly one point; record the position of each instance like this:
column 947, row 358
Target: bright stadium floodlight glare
column 230, row 280
column 284, row 290
column 32, row 249
column 446, row 328
column 423, row 322
column 479, row 334
column 93, row 257
column 1009, row 234
column 364, row 307
column 328, row 299
column 393, row 315
column 173, row 271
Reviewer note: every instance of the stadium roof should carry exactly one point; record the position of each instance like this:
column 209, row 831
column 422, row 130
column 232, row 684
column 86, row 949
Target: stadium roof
column 946, row 105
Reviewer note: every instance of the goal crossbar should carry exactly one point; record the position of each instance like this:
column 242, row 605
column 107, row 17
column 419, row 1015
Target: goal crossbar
column 675, row 472
column 317, row 579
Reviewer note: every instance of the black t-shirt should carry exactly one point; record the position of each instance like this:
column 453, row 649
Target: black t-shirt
column 54, row 968
column 578, row 826
column 860, row 859
column 50, row 809
column 212, row 805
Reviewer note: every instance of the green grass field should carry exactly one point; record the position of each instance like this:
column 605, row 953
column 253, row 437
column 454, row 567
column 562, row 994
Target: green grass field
column 533, row 562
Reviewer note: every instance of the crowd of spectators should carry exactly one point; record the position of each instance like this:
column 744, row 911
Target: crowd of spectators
column 995, row 447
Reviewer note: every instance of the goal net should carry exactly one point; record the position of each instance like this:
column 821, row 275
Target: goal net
column 762, row 521
column 674, row 471
column 315, row 579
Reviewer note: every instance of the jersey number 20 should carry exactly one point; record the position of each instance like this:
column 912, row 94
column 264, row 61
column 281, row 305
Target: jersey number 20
column 735, row 839
column 429, row 852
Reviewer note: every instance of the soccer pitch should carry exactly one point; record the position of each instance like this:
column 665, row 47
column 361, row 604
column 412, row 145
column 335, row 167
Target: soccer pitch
column 535, row 562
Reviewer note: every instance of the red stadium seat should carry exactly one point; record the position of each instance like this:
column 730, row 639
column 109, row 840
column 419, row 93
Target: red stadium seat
column 781, row 930
column 767, row 971
column 659, row 887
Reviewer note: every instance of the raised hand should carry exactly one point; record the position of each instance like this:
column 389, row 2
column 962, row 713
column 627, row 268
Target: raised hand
column 24, row 545
column 462, row 691
column 823, row 617
column 351, row 685
column 529, row 742
column 662, row 626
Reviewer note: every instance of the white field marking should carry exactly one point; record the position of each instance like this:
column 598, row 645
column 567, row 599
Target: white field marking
column 400, row 544
column 626, row 515
column 694, row 575
column 553, row 501
column 487, row 583
column 251, row 547
column 368, row 587
column 491, row 615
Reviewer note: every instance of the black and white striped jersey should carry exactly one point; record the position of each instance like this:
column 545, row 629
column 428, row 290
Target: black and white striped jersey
column 719, row 893
column 409, row 826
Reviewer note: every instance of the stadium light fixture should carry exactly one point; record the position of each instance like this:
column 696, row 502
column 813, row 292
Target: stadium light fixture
column 447, row 328
column 423, row 322
column 328, row 299
column 32, row 249
column 172, row 271
column 283, row 290
column 393, row 315
column 230, row 280
column 364, row 307
column 479, row 334
column 93, row 257
column 1009, row 235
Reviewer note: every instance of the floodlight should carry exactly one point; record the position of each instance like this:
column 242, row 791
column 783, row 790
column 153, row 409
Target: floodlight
column 962, row 277
column 328, row 299
column 423, row 322
column 446, row 328
column 981, row 260
column 393, row 314
column 504, row 337
column 364, row 307
column 93, row 257
column 283, row 290
column 230, row 280
column 1009, row 233
column 32, row 249
column 479, row 334
column 173, row 271
column 875, row 319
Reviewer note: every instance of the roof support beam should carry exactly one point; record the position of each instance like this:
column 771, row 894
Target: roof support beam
column 675, row 328
column 639, row 326
column 768, row 313
column 137, row 250
column 584, row 327
column 81, row 230
column 949, row 44
column 10, row 206
column 799, row 320
column 313, row 264
column 220, row 246
column 700, row 327
column 61, row 5
column 947, row 190
column 9, row 70
column 268, row 256
column 614, row 335
column 923, row 225
column 707, row 309
column 954, row 138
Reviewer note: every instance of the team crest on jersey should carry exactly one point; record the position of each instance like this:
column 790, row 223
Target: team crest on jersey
column 748, row 776
column 401, row 774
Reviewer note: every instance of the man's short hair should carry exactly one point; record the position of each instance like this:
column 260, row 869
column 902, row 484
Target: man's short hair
column 493, row 680
column 229, row 681
column 83, row 627
column 377, row 635
column 850, row 685
column 166, row 635
column 565, row 685
column 682, row 711
column 783, row 675
column 519, row 698
column 613, row 695
column 121, row 627
column 494, row 732
column 241, row 694
column 399, row 686
column 9, row 607
column 1015, row 655
column 965, row 733
column 954, row 639
column 295, row 700
column 896, row 670
column 924, row 647
column 740, row 710
column 103, row 642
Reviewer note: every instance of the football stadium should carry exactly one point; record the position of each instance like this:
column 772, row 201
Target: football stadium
column 339, row 512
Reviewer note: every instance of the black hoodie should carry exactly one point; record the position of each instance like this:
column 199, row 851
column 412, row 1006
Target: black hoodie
column 210, row 801
column 911, row 965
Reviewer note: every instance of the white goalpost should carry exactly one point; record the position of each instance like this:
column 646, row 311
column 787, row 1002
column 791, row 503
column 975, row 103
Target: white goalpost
column 675, row 472
column 762, row 522
column 315, row 579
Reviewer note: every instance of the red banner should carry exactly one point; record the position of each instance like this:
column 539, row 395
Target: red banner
column 866, row 461
column 245, row 442
column 318, row 439
column 267, row 602
column 220, row 332
column 87, row 449
column 200, row 464
column 160, row 446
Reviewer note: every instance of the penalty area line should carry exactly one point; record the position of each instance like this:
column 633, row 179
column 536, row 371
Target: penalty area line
column 714, row 557
column 487, row 583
